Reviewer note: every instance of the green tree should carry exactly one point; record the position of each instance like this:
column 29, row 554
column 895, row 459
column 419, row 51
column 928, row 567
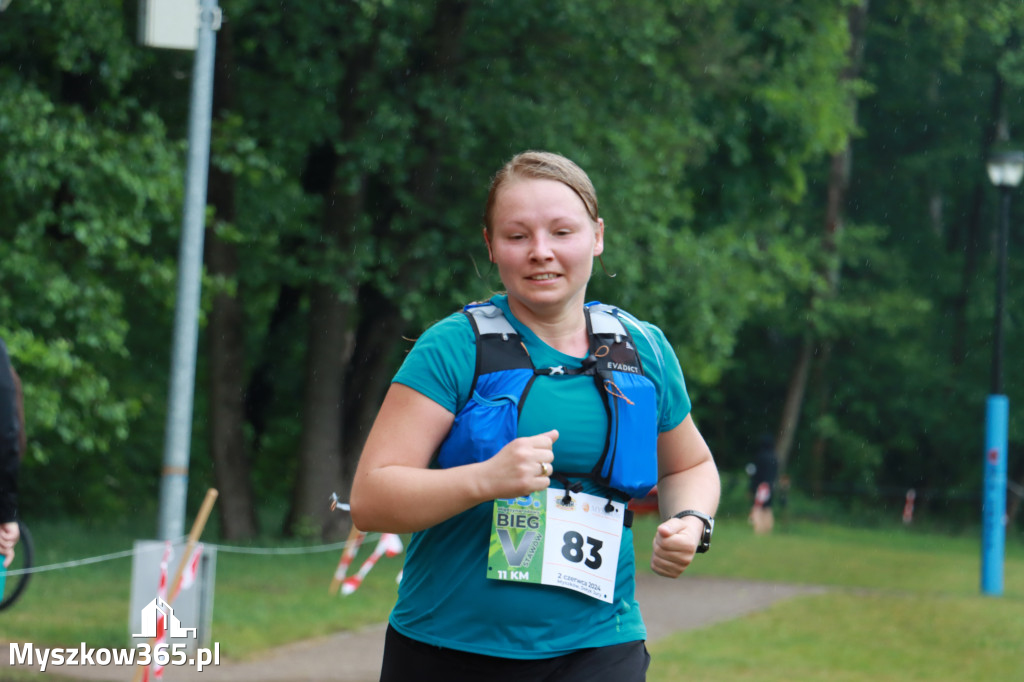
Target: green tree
column 89, row 180
column 352, row 150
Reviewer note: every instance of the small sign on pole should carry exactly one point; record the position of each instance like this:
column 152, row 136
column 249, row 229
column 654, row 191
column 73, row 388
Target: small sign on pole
column 172, row 24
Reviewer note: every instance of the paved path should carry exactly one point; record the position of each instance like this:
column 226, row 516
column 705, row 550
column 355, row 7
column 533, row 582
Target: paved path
column 668, row 606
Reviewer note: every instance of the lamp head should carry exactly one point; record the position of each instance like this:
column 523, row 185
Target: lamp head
column 1006, row 168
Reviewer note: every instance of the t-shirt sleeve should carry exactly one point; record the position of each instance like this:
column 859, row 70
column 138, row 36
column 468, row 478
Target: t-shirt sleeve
column 662, row 366
column 440, row 364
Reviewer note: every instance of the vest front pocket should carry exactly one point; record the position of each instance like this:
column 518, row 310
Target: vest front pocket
column 489, row 421
column 631, row 464
column 481, row 429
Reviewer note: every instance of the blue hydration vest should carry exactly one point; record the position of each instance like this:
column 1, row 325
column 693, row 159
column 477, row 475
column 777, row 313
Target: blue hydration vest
column 504, row 374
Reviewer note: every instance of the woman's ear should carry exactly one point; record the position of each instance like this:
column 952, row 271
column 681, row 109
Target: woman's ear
column 487, row 240
column 599, row 237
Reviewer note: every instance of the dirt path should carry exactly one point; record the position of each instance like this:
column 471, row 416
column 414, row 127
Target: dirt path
column 668, row 606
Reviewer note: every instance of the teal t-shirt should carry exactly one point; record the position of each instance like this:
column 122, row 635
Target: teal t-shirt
column 445, row 598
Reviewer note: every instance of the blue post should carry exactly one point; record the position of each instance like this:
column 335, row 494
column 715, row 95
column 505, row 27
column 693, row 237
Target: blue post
column 993, row 508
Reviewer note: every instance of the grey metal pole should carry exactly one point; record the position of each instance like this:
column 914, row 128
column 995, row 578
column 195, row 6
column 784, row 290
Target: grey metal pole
column 178, row 432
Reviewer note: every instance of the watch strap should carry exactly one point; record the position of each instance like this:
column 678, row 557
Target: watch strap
column 709, row 525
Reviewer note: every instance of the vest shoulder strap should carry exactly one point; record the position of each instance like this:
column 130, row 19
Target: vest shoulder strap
column 604, row 320
column 488, row 319
column 618, row 314
column 498, row 345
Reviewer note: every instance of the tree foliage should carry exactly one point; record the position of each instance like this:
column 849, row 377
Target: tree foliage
column 360, row 143
column 89, row 179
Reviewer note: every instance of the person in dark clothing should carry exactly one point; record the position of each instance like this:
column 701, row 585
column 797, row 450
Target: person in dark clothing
column 766, row 467
column 763, row 472
column 10, row 446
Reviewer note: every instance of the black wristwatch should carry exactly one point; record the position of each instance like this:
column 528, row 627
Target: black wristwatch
column 709, row 528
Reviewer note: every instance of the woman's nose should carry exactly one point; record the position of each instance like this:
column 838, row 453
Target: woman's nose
column 541, row 249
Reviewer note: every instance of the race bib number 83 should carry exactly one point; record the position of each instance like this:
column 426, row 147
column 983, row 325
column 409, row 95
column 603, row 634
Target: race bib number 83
column 540, row 539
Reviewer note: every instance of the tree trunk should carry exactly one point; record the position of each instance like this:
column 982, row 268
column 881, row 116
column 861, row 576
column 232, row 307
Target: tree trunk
column 838, row 183
column 381, row 322
column 260, row 393
column 340, row 405
column 823, row 401
column 369, row 373
column 225, row 338
column 794, row 403
column 319, row 472
column 231, row 465
column 329, row 339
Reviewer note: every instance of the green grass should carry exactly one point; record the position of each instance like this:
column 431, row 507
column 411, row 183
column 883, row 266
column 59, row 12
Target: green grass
column 293, row 601
column 854, row 637
column 904, row 603
column 260, row 600
column 905, row 606
column 895, row 558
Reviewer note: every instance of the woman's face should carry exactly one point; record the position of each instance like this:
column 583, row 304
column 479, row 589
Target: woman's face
column 544, row 244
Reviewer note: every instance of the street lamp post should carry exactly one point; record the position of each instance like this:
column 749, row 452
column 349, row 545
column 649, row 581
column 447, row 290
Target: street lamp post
column 1004, row 170
column 185, row 25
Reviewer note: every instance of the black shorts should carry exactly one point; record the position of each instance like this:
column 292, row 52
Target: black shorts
column 408, row 659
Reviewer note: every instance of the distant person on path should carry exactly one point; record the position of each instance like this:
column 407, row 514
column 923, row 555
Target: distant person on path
column 11, row 439
column 516, row 431
column 763, row 472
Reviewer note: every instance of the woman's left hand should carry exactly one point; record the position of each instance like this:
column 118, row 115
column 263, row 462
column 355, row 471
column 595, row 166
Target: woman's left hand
column 675, row 543
column 687, row 479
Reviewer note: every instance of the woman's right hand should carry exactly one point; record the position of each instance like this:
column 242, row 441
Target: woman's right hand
column 395, row 490
column 521, row 467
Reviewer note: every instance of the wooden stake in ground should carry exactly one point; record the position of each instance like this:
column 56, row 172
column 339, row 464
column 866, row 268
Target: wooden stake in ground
column 193, row 538
column 355, row 539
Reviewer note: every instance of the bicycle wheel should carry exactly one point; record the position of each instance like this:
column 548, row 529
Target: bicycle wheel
column 14, row 585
